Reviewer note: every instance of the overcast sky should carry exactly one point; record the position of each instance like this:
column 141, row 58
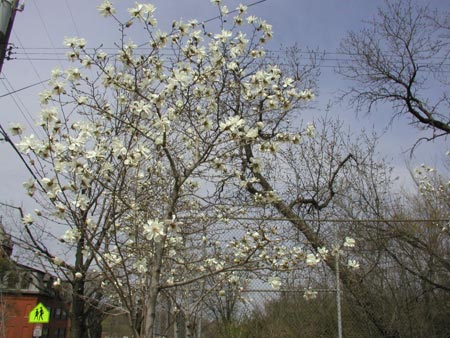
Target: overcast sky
column 40, row 29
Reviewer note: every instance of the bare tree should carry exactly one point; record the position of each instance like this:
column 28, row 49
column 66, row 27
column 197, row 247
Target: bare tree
column 401, row 58
column 405, row 255
column 318, row 179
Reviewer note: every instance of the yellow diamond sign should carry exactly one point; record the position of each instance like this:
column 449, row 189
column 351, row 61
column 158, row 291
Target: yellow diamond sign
column 39, row 314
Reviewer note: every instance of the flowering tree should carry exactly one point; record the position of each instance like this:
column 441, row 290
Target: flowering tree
column 137, row 150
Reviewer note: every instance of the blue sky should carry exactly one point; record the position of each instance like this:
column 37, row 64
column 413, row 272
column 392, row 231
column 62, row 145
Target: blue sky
column 40, row 29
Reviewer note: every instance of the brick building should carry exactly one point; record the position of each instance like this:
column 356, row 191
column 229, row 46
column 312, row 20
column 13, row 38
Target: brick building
column 21, row 289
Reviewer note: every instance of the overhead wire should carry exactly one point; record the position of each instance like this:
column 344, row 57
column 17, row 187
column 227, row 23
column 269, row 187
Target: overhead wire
column 11, row 143
column 27, row 56
column 16, row 99
column 72, row 18
column 325, row 58
column 40, row 56
column 45, row 28
column 24, row 88
column 275, row 51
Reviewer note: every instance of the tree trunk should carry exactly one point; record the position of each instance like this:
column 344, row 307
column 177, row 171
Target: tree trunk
column 77, row 314
column 77, row 318
column 151, row 301
column 188, row 328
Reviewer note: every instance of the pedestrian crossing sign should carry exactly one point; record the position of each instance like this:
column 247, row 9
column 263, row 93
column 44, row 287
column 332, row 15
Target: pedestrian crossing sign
column 39, row 314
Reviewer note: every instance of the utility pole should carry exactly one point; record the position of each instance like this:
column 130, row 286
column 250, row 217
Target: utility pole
column 8, row 9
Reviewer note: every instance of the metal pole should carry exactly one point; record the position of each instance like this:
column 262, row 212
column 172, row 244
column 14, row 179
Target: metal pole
column 338, row 296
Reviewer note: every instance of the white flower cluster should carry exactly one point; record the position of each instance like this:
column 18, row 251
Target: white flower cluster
column 267, row 197
column 349, row 242
column 310, row 294
column 275, row 282
column 429, row 180
column 71, row 236
column 312, row 259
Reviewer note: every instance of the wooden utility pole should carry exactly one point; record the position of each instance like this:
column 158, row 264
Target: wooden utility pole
column 8, row 9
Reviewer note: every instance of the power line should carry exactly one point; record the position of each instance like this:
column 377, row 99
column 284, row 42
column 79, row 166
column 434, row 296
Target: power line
column 334, row 220
column 324, row 62
column 11, row 143
column 23, row 88
column 27, row 57
column 45, row 27
column 334, row 56
column 72, row 18
column 16, row 100
column 328, row 66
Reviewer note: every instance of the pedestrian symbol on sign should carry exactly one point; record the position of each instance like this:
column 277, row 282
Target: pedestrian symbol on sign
column 39, row 314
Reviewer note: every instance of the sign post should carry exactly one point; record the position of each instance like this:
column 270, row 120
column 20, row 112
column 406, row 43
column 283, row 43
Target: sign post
column 39, row 315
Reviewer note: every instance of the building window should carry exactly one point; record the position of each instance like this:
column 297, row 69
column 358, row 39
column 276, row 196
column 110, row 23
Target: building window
column 59, row 333
column 25, row 280
column 11, row 279
column 58, row 313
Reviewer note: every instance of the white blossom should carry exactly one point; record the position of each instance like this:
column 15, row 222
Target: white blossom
column 275, row 282
column 71, row 236
column 310, row 294
column 58, row 87
column 45, row 96
column 30, row 187
column 106, row 8
column 353, row 264
column 312, row 260
column 323, row 252
column 27, row 143
column 73, row 74
column 141, row 265
column 27, row 219
column 349, row 242
column 16, row 129
column 141, row 10
column 74, row 42
column 154, row 230
column 242, row 8
column 252, row 133
column 310, row 130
